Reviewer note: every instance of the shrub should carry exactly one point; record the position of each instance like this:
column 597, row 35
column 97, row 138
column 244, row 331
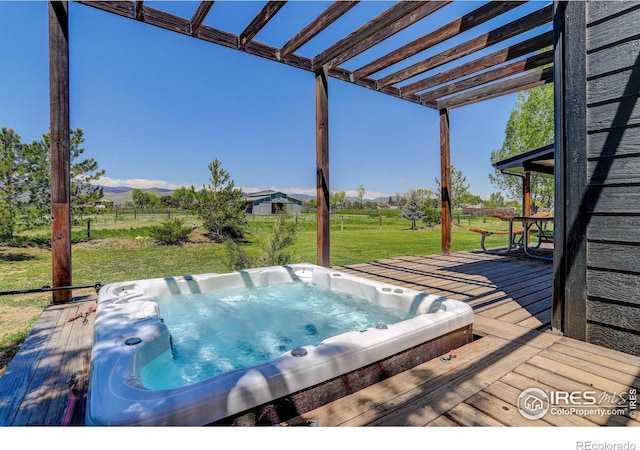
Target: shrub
column 273, row 252
column 236, row 257
column 171, row 232
column 431, row 216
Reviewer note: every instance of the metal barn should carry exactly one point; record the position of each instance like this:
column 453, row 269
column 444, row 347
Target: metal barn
column 272, row 202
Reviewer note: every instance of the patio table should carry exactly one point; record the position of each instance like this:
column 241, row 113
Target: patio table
column 540, row 223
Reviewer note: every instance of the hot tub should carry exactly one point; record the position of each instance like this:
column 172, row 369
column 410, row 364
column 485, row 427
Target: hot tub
column 131, row 333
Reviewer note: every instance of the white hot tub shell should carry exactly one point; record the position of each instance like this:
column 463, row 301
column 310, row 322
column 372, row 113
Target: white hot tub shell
column 129, row 332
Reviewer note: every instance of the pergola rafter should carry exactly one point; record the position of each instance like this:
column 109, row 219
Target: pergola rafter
column 366, row 31
column 510, row 86
column 330, row 15
column 533, row 62
column 506, row 70
column 532, row 45
column 464, row 23
column 481, row 42
column 264, row 16
column 199, row 16
column 418, row 14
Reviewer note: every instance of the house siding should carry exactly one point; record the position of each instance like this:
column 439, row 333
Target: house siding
column 612, row 197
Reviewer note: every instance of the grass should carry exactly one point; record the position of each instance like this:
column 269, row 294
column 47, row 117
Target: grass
column 123, row 250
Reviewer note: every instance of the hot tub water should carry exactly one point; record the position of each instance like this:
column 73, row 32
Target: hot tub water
column 235, row 328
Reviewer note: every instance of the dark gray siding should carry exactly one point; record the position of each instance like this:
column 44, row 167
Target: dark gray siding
column 613, row 174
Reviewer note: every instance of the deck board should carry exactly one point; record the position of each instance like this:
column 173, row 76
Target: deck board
column 34, row 388
column 513, row 350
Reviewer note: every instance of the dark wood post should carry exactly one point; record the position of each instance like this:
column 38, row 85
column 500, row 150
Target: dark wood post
column 322, row 166
column 59, row 150
column 445, row 180
column 572, row 185
column 557, row 303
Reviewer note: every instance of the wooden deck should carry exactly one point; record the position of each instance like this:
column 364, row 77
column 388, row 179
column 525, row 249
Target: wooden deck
column 514, row 350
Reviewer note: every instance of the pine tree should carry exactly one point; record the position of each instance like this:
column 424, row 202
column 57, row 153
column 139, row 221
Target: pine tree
column 413, row 210
column 221, row 205
column 14, row 169
column 25, row 191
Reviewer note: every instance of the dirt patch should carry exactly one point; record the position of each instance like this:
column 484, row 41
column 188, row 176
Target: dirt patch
column 199, row 237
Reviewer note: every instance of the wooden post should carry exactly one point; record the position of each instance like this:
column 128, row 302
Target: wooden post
column 526, row 199
column 445, row 180
column 59, row 149
column 322, row 166
column 526, row 203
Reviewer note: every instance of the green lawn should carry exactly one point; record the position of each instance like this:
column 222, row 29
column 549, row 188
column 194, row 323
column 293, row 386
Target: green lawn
column 123, row 250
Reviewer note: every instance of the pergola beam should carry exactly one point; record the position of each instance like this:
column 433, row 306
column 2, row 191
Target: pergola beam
column 264, row 16
column 326, row 18
column 483, row 41
column 379, row 23
column 164, row 20
column 60, row 149
column 464, row 23
column 494, row 59
column 510, row 86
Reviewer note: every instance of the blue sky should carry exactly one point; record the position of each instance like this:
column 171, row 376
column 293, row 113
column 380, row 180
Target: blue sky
column 157, row 107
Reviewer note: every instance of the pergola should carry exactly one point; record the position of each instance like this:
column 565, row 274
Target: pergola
column 522, row 64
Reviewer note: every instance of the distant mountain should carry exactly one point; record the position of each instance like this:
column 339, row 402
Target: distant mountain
column 303, row 197
column 119, row 195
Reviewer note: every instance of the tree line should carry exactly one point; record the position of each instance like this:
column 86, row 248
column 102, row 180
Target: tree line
column 25, row 193
column 25, row 180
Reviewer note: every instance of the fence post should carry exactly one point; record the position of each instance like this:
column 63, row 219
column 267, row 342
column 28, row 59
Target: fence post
column 88, row 228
